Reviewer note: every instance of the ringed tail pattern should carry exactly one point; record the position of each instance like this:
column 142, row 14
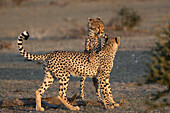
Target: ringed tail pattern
column 25, row 35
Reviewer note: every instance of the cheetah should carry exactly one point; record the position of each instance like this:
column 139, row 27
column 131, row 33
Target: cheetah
column 95, row 32
column 93, row 45
column 60, row 64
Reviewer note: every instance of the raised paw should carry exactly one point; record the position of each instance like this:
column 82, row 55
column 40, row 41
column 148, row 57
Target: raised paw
column 39, row 109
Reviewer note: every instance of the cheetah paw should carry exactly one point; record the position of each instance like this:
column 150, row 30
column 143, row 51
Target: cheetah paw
column 39, row 109
column 75, row 108
column 109, row 107
column 116, row 104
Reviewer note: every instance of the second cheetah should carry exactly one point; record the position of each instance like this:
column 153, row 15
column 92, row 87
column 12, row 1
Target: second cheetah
column 92, row 46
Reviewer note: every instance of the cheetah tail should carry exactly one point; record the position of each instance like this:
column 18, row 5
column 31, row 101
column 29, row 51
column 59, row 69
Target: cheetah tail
column 25, row 35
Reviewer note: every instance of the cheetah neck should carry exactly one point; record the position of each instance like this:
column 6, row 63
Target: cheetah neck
column 113, row 54
column 110, row 51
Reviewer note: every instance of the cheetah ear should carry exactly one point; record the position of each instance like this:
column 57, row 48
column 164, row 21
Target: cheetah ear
column 117, row 39
column 89, row 19
column 98, row 18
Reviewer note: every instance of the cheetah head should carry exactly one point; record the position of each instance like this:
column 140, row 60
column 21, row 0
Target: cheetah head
column 96, row 26
column 112, row 43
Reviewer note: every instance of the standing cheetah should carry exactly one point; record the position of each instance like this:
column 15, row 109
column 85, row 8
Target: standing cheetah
column 92, row 46
column 60, row 64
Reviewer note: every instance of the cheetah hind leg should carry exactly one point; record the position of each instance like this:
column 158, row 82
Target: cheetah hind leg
column 48, row 80
column 69, row 106
column 63, row 84
column 113, row 103
column 38, row 102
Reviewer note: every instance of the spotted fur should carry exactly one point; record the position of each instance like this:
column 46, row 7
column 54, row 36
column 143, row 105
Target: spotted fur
column 60, row 64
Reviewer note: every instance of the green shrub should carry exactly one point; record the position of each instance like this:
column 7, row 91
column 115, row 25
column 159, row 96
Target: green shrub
column 160, row 67
column 159, row 71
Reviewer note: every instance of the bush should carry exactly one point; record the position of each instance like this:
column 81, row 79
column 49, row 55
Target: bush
column 129, row 18
column 160, row 67
column 126, row 19
column 159, row 71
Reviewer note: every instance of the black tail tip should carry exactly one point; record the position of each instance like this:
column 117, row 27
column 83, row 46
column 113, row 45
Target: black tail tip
column 25, row 34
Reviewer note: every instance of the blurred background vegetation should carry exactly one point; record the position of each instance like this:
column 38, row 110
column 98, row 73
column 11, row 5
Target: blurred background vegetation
column 5, row 3
column 159, row 69
column 126, row 19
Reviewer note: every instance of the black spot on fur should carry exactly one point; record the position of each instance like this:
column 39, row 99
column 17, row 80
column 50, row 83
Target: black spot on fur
column 19, row 43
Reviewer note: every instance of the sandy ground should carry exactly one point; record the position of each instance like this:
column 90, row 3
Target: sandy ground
column 49, row 26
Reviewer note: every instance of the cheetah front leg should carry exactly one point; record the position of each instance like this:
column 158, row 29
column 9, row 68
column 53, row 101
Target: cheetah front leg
column 48, row 80
column 82, row 80
column 110, row 93
column 105, row 93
